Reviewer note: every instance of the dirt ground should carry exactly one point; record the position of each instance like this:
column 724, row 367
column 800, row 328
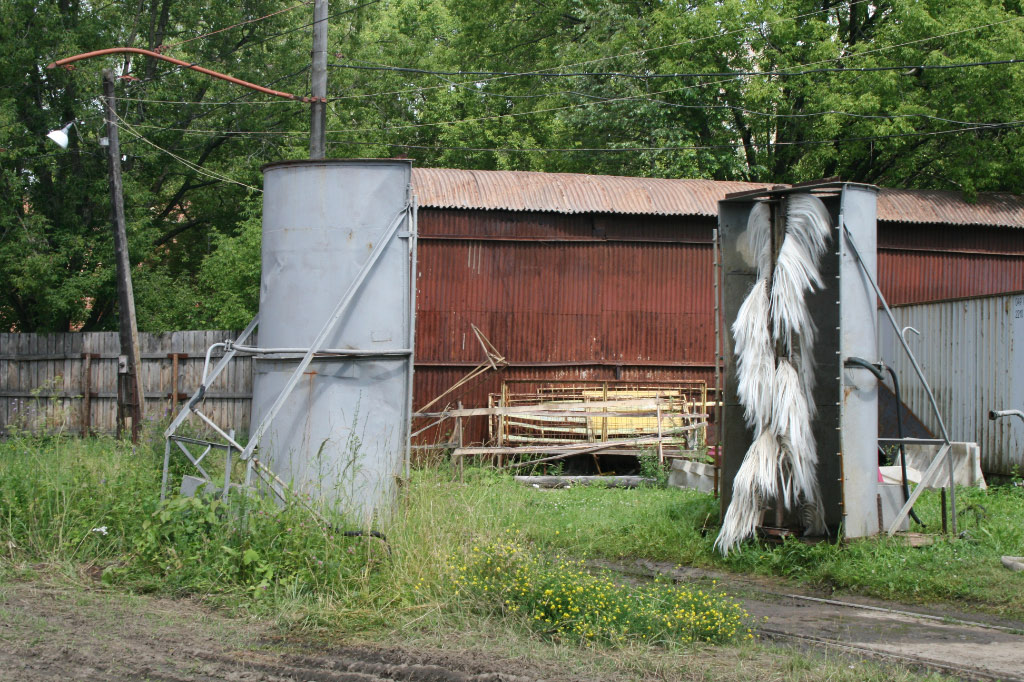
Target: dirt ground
column 962, row 644
column 60, row 632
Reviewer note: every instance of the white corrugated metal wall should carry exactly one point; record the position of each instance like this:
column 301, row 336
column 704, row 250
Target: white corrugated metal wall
column 972, row 353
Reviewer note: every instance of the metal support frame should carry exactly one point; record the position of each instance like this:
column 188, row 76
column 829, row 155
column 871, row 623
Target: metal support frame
column 306, row 355
column 944, row 453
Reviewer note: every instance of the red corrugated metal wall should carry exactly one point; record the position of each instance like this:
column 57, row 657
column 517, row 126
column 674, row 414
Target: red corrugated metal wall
column 561, row 297
column 919, row 263
column 631, row 297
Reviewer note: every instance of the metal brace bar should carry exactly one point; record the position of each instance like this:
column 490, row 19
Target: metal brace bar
column 917, row 369
column 413, row 213
column 183, row 415
column 343, row 352
column 329, row 325
column 261, row 469
column 219, row 430
column 903, row 342
column 196, row 441
column 227, row 469
column 205, row 453
column 944, row 453
column 911, row 441
column 194, row 462
column 167, row 464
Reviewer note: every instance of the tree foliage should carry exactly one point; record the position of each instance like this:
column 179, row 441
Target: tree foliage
column 766, row 91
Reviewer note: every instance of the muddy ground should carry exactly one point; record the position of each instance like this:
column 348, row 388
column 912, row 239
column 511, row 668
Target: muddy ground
column 943, row 639
column 61, row 632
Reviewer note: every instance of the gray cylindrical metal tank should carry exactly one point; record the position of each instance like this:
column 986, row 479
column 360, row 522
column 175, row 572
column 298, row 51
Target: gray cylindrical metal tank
column 342, row 436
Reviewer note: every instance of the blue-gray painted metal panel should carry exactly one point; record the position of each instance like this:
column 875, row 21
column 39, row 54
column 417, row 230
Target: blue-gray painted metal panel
column 972, row 353
column 342, row 435
column 859, row 388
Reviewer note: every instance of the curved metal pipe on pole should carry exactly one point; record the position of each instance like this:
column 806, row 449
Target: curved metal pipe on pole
column 67, row 61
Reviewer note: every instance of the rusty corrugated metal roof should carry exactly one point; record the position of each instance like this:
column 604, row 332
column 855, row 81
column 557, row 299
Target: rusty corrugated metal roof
column 996, row 209
column 579, row 193
column 570, row 192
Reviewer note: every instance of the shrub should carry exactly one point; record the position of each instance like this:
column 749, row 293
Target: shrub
column 560, row 598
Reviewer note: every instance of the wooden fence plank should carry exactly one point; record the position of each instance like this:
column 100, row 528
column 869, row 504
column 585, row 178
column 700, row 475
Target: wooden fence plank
column 43, row 381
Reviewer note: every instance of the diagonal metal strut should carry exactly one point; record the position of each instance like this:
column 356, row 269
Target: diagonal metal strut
column 928, row 391
column 328, row 327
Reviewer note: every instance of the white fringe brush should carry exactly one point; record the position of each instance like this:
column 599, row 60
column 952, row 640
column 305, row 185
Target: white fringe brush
column 755, row 483
column 781, row 463
column 755, row 356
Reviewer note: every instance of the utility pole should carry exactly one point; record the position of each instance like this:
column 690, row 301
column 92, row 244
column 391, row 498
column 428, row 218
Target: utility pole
column 130, row 372
column 318, row 83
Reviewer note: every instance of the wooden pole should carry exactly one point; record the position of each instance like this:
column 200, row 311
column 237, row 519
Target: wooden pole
column 460, row 443
column 318, row 83
column 87, row 394
column 126, row 298
column 661, row 447
column 174, row 383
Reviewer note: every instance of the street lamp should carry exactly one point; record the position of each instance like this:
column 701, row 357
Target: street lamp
column 60, row 136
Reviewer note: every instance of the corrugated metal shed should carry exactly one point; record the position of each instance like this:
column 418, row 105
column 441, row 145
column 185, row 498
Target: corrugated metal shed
column 918, row 275
column 972, row 353
column 614, row 303
column 596, row 277
column 576, row 193
column 562, row 297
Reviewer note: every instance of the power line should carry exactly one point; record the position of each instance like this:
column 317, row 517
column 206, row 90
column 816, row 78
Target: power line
column 266, row 38
column 863, row 138
column 304, row 26
column 698, row 147
column 211, row 103
column 695, row 74
column 474, row 83
column 127, row 127
column 661, row 92
column 164, row 48
column 657, row 101
column 689, row 41
column 752, row 112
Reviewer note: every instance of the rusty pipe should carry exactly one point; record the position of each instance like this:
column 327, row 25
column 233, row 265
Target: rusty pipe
column 188, row 65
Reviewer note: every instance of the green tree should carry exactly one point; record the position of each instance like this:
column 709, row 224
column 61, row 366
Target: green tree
column 464, row 84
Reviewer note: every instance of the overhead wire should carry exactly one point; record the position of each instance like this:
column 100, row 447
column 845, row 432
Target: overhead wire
column 689, row 41
column 127, row 127
column 265, row 38
column 635, row 96
column 862, row 138
column 660, row 92
column 694, row 74
column 851, row 55
column 164, row 48
column 971, row 126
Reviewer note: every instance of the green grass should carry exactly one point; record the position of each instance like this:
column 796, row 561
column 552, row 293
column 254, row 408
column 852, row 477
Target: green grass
column 55, row 492
column 667, row 525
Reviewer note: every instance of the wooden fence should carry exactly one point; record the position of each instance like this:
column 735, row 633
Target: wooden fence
column 69, row 381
